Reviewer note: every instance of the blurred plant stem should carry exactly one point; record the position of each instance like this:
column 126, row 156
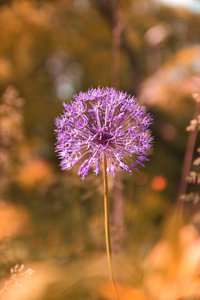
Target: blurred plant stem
column 116, row 43
column 188, row 160
column 118, row 203
column 111, row 11
column 107, row 224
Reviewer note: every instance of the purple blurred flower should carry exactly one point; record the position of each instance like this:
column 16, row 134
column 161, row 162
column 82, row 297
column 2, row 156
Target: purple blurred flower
column 103, row 120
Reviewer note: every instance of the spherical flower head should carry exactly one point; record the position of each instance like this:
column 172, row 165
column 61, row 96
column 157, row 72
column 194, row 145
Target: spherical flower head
column 100, row 121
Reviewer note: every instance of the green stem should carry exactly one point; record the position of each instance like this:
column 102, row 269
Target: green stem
column 107, row 224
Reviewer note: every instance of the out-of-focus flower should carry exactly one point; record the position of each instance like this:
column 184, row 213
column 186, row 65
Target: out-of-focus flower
column 11, row 134
column 17, row 274
column 124, row 292
column 176, row 78
column 28, row 283
column 34, row 172
column 173, row 267
column 103, row 121
column 14, row 221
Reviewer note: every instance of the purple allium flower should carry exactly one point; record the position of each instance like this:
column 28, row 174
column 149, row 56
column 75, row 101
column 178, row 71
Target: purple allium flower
column 103, row 120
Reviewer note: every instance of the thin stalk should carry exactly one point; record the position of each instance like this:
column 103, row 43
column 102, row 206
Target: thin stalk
column 187, row 162
column 116, row 42
column 107, row 225
column 118, row 205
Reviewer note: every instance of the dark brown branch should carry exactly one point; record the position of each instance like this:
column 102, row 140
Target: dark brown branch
column 107, row 10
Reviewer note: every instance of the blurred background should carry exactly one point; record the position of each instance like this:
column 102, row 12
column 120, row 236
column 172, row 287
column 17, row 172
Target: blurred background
column 50, row 50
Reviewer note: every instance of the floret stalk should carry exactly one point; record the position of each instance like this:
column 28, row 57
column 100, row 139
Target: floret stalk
column 107, row 225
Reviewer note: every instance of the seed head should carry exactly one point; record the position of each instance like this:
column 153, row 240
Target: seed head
column 103, row 120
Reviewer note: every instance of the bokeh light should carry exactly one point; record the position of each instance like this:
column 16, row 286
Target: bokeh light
column 159, row 183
